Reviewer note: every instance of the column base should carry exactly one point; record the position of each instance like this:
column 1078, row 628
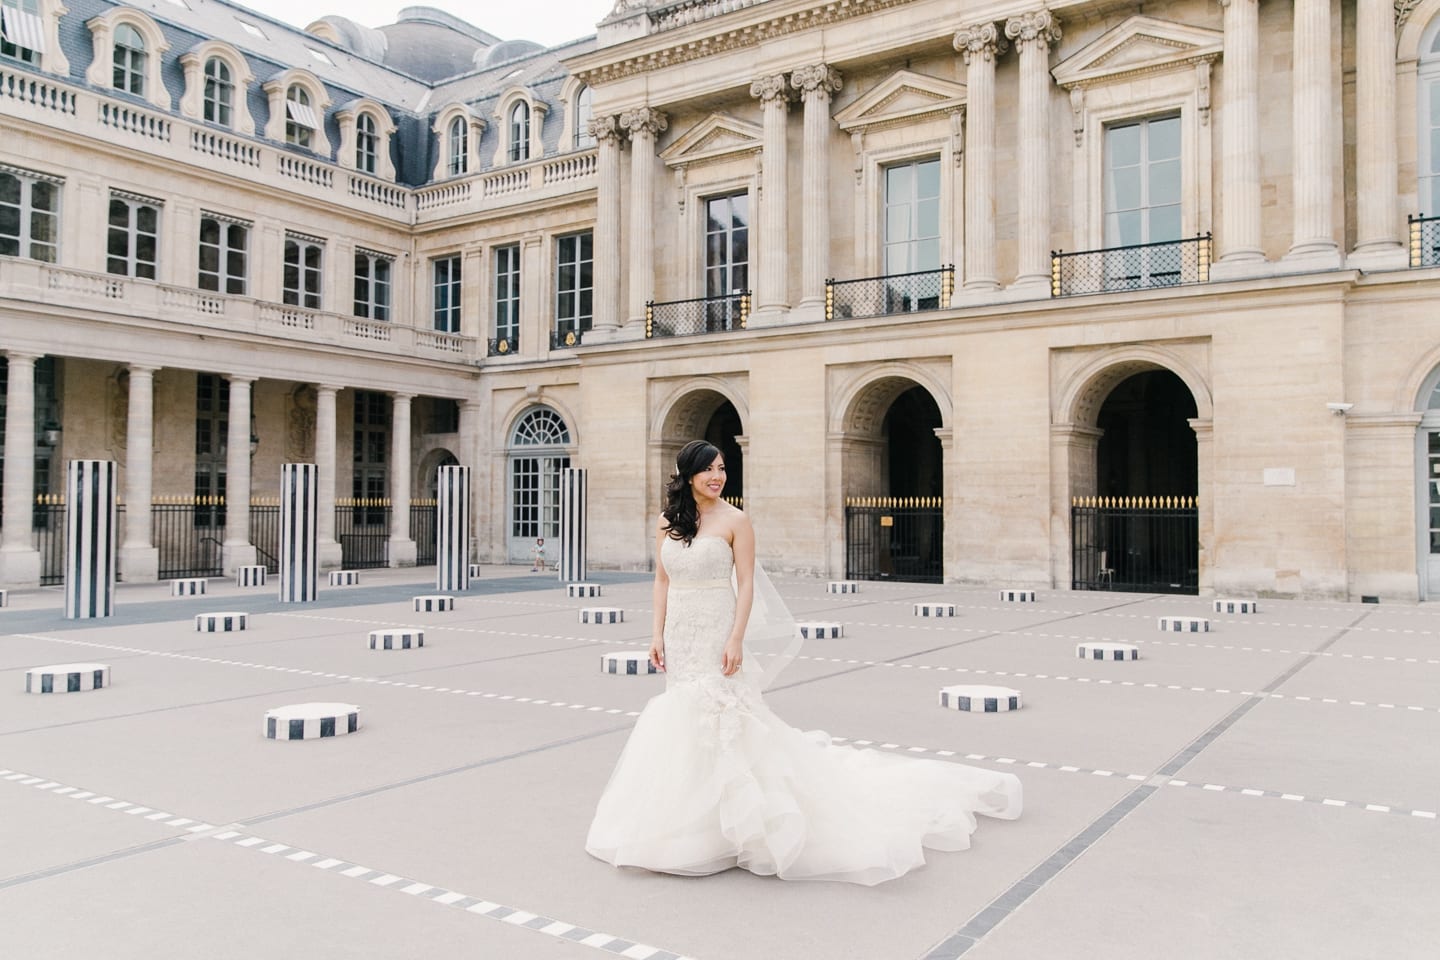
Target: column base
column 1378, row 257
column 330, row 555
column 1015, row 293
column 402, row 552
column 771, row 316
column 236, row 555
column 139, row 564
column 20, row 568
column 1240, row 266
column 1029, row 288
column 808, row 311
column 1312, row 257
column 603, row 334
column 628, row 333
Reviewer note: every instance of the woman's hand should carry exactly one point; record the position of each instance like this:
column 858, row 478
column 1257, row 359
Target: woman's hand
column 731, row 658
column 657, row 655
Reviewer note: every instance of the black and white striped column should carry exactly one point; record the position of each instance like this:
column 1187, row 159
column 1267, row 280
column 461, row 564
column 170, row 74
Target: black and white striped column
column 299, row 514
column 452, row 529
column 90, row 537
column 572, row 524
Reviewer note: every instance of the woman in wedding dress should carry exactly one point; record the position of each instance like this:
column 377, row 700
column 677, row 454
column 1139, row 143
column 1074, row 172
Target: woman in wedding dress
column 711, row 779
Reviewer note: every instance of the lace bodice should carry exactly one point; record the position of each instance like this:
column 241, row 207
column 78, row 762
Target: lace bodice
column 700, row 607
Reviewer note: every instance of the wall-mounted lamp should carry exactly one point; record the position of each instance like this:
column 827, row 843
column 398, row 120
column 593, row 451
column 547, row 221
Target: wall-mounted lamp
column 50, row 433
column 1339, row 409
column 254, row 438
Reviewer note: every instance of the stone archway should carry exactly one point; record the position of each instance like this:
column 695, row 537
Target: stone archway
column 709, row 411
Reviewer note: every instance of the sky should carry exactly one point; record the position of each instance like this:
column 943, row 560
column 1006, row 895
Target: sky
column 550, row 22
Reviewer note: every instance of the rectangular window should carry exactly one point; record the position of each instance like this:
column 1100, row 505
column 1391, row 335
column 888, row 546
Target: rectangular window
column 1142, row 202
column 912, row 236
column 301, row 284
column 22, row 31
column 727, row 258
column 1430, row 152
column 372, row 285
column 446, row 294
column 29, row 215
column 507, row 296
column 370, row 456
column 134, row 237
column 224, row 254
column 574, row 284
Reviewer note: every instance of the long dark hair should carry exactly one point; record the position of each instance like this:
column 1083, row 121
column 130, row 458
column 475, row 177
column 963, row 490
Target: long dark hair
column 680, row 511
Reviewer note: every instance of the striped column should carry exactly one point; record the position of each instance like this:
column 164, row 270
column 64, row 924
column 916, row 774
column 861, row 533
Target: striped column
column 299, row 513
column 452, row 529
column 90, row 537
column 572, row 524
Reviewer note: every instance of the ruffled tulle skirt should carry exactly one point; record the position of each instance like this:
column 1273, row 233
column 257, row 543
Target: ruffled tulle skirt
column 711, row 779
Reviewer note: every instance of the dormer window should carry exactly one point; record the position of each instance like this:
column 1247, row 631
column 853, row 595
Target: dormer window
column 300, row 119
column 519, row 132
column 459, row 140
column 583, row 112
column 366, row 144
column 219, row 92
column 129, row 60
column 22, row 32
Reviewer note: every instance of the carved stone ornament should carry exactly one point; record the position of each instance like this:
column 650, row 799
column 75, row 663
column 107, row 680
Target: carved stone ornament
column 644, row 120
column 300, row 426
column 1037, row 26
column 770, row 89
column 603, row 129
column 821, row 80
column 1403, row 9
column 981, row 39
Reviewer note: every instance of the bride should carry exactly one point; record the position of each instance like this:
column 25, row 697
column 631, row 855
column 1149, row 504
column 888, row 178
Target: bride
column 711, row 779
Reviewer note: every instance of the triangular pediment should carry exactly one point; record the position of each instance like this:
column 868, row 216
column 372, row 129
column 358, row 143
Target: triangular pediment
column 1139, row 45
column 717, row 136
column 902, row 97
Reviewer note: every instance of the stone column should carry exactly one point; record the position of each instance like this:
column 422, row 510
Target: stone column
column 471, row 425
column 19, row 560
column 643, row 124
column 1240, row 137
column 237, row 550
column 607, row 133
column 1377, row 244
column 328, row 548
column 816, row 84
column 1313, row 132
column 773, row 275
column 139, row 559
column 402, row 548
column 1205, row 502
column 1033, row 33
column 980, row 45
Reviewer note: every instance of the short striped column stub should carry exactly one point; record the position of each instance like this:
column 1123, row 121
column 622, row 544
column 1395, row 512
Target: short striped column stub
column 299, row 532
column 574, row 524
column 934, row 609
column 818, row 630
column 452, row 528
column 397, row 638
column 67, row 678
column 1237, row 606
column 344, row 578
column 250, row 576
column 91, row 533
column 1017, row 596
column 979, row 698
column 226, row 622
column 434, row 603
column 188, row 587
column 1184, row 624
column 602, row 615
column 842, row 586
column 474, row 570
column 311, row 721
column 628, row 662
column 4, row 598
column 1106, row 650
column 580, row 591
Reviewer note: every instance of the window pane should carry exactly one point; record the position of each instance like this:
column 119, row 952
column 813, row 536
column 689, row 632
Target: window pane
column 1164, row 138
column 1123, row 144
column 1164, row 224
column 1165, row 182
column 898, row 184
column 927, row 179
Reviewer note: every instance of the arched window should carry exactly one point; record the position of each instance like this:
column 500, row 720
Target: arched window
column 541, row 427
column 367, row 143
column 537, row 455
column 583, row 112
column 1428, row 100
column 459, row 139
column 129, row 60
column 219, row 92
column 300, row 119
column 520, row 132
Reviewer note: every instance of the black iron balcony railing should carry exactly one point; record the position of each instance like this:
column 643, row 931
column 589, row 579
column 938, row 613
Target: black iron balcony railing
column 1424, row 241
column 564, row 339
column 1142, row 266
column 896, row 293
column 683, row 318
column 503, row 346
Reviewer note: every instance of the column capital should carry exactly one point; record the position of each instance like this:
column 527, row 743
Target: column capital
column 21, row 356
column 605, row 129
column 329, row 388
column 398, row 397
column 771, row 89
column 1040, row 27
column 818, row 80
column 237, row 379
column 644, row 120
column 141, row 369
column 981, row 40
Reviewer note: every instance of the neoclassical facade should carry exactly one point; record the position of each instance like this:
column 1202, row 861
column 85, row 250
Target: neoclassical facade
column 1071, row 295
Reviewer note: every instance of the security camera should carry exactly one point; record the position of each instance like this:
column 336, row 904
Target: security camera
column 1339, row 409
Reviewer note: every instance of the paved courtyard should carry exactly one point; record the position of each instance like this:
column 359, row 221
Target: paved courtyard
column 1267, row 789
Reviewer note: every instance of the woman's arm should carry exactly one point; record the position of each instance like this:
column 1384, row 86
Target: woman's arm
column 660, row 593
column 743, row 546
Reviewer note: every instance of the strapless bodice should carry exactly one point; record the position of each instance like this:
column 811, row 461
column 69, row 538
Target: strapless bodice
column 706, row 562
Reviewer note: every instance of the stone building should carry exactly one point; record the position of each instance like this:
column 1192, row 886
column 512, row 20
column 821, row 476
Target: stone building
column 1087, row 295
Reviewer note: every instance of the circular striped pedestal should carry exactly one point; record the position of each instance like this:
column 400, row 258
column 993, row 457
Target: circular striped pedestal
column 228, row 622
column 433, row 604
column 1184, row 624
column 818, row 630
column 4, row 598
column 250, row 576
column 1106, row 650
column 311, row 721
column 842, row 586
column 934, row 609
column 397, row 638
column 602, row 615
column 187, row 587
column 67, row 678
column 474, row 570
column 631, row 663
column 582, row 590
column 1237, row 606
column 1017, row 596
column 979, row 698
column 344, row 578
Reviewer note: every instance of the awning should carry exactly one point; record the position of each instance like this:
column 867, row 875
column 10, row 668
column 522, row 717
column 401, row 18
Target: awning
column 23, row 29
column 302, row 114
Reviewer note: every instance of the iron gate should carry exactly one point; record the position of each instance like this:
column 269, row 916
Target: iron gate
column 1139, row 544
column 49, row 530
column 895, row 538
column 265, row 531
column 189, row 533
column 362, row 525
column 422, row 530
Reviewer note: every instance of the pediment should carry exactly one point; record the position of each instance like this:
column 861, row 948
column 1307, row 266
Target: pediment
column 716, row 137
column 1139, row 45
column 902, row 97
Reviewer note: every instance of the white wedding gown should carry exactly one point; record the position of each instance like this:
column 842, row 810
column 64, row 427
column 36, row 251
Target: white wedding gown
column 711, row 779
